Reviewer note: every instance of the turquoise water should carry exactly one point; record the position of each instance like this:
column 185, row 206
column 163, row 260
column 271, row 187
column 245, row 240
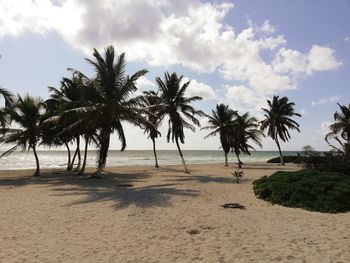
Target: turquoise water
column 57, row 159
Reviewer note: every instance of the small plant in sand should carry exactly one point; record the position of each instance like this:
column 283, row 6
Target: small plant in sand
column 237, row 175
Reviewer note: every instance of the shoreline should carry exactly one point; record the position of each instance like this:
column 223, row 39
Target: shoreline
column 90, row 169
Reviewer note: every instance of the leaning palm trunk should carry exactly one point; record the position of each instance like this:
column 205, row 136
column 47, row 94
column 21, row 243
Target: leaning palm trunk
column 279, row 149
column 103, row 152
column 226, row 160
column 69, row 156
column 238, row 159
column 37, row 172
column 155, row 153
column 82, row 170
column 73, row 160
column 76, row 154
column 182, row 158
column 79, row 155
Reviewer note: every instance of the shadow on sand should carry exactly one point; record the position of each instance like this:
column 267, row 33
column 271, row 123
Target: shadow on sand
column 110, row 187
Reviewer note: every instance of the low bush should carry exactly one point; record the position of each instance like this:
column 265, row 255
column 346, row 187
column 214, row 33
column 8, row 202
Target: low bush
column 286, row 159
column 309, row 189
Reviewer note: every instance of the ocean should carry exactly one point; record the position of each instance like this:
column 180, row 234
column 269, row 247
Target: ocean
column 58, row 159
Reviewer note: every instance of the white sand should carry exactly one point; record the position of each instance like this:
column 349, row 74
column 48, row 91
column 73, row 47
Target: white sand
column 62, row 218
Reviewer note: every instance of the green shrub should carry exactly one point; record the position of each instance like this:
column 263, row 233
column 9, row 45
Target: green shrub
column 286, row 159
column 309, row 189
column 237, row 175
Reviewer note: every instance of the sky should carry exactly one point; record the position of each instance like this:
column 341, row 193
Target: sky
column 240, row 53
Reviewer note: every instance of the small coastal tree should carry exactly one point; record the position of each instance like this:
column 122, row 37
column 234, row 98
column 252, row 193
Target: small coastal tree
column 220, row 122
column 4, row 116
column 278, row 120
column 340, row 131
column 244, row 129
column 176, row 106
column 26, row 113
column 149, row 100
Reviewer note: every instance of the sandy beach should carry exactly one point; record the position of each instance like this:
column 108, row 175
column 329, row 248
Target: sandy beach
column 162, row 216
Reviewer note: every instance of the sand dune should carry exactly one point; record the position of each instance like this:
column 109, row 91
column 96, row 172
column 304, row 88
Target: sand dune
column 166, row 216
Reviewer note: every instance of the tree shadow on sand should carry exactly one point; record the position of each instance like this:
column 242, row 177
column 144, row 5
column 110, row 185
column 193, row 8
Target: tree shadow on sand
column 143, row 197
column 110, row 188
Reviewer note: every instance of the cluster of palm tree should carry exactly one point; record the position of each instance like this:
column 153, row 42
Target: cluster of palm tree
column 94, row 108
column 236, row 131
column 91, row 109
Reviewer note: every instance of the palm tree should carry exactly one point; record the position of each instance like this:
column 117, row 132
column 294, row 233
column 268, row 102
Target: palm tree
column 8, row 98
column 244, row 129
column 112, row 103
column 340, row 130
column 278, row 120
column 149, row 100
column 220, row 122
column 176, row 106
column 26, row 113
column 68, row 97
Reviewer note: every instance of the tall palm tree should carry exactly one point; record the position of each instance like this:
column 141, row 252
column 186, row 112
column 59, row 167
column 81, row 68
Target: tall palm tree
column 26, row 112
column 340, row 130
column 220, row 123
column 149, row 100
column 112, row 103
column 278, row 120
column 244, row 129
column 176, row 106
column 9, row 99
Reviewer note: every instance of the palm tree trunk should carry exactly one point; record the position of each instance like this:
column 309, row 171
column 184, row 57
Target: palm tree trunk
column 69, row 155
column 226, row 160
column 279, row 149
column 82, row 170
column 238, row 159
column 155, row 153
column 79, row 155
column 37, row 172
column 73, row 160
column 182, row 157
column 103, row 152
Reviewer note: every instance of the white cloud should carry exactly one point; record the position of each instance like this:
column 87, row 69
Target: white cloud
column 164, row 32
column 16, row 17
column 347, row 40
column 239, row 96
column 144, row 83
column 267, row 27
column 321, row 101
column 322, row 59
column 199, row 89
column 317, row 59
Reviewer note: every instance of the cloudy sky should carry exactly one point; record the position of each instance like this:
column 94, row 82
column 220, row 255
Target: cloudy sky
column 238, row 52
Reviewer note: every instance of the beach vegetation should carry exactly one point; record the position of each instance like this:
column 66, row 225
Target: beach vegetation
column 286, row 159
column 312, row 190
column 149, row 101
column 278, row 121
column 340, row 132
column 26, row 113
column 175, row 105
column 112, row 102
column 220, row 122
column 8, row 98
column 237, row 176
column 243, row 130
